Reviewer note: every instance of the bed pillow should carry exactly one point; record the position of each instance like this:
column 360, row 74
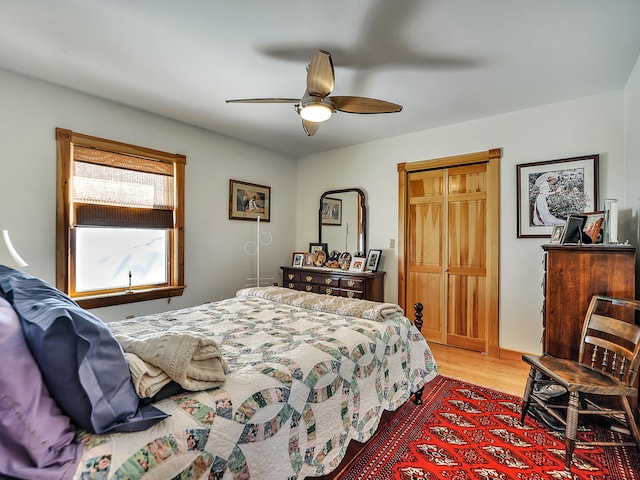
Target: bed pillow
column 81, row 362
column 37, row 438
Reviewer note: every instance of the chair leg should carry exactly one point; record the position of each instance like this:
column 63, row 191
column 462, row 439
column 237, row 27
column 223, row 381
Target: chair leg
column 571, row 430
column 631, row 422
column 526, row 397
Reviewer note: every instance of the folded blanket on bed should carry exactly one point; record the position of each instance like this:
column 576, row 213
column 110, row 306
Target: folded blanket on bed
column 193, row 361
column 351, row 307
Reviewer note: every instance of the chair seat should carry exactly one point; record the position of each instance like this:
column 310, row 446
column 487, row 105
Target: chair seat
column 577, row 378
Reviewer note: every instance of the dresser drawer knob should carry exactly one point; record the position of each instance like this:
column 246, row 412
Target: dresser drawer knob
column 327, row 281
column 291, row 276
column 309, row 288
column 292, row 285
column 308, row 278
column 350, row 294
column 351, row 283
column 328, row 291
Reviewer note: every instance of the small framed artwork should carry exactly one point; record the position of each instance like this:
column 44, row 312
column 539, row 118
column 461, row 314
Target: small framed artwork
column 248, row 201
column 298, row 259
column 556, row 233
column 550, row 191
column 315, row 247
column 331, row 211
column 357, row 264
column 308, row 260
column 593, row 226
column 373, row 259
column 573, row 229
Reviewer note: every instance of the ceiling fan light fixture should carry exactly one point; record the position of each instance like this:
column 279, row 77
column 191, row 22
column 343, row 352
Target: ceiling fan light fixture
column 316, row 112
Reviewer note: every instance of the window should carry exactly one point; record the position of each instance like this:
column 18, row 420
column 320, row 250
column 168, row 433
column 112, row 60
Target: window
column 120, row 214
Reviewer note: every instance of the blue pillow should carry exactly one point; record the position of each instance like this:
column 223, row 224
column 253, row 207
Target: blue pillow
column 81, row 362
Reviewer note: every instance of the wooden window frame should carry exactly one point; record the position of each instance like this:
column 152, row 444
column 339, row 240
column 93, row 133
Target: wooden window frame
column 65, row 258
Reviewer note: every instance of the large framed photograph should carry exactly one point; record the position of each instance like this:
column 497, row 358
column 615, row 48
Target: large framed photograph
column 550, row 191
column 373, row 259
column 331, row 211
column 248, row 201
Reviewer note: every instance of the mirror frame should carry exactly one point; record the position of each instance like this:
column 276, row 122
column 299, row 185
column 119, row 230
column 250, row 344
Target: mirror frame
column 363, row 210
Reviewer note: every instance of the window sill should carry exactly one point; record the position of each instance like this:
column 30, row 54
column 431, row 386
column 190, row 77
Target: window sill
column 121, row 298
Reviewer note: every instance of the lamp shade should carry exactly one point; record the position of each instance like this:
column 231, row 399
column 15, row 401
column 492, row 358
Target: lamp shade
column 8, row 254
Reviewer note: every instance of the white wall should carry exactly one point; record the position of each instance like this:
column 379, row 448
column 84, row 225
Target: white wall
column 580, row 127
column 631, row 214
column 215, row 263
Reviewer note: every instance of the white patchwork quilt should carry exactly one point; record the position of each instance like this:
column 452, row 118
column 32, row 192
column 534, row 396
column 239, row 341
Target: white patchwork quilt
column 300, row 384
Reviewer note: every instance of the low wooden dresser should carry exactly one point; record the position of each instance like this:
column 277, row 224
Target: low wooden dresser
column 333, row 281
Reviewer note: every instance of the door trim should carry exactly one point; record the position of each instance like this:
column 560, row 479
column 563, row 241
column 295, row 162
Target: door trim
column 492, row 159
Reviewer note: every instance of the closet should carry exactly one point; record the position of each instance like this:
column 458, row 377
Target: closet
column 448, row 247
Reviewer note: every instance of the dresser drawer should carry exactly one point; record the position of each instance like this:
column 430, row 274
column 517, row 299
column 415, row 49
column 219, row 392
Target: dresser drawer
column 291, row 276
column 320, row 279
column 327, row 290
column 352, row 293
column 352, row 284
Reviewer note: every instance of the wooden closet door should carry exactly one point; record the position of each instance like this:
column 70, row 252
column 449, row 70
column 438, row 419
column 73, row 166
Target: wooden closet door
column 426, row 235
column 465, row 269
column 448, row 249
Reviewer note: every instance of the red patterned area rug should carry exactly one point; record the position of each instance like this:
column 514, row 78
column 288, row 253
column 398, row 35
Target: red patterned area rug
column 464, row 431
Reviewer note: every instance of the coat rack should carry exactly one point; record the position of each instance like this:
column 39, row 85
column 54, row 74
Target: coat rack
column 253, row 248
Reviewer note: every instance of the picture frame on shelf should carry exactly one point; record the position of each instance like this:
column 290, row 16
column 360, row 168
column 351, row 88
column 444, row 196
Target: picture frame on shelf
column 308, row 260
column 594, row 226
column 556, row 233
column 331, row 211
column 373, row 259
column 573, row 233
column 314, row 247
column 248, row 201
column 297, row 259
column 549, row 191
column 358, row 264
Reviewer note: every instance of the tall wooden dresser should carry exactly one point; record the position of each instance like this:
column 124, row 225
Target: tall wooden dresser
column 333, row 281
column 573, row 274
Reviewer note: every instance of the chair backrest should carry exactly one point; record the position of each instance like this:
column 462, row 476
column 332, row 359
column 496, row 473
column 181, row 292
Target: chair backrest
column 610, row 341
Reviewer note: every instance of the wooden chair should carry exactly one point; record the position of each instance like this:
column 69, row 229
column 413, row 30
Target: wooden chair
column 607, row 366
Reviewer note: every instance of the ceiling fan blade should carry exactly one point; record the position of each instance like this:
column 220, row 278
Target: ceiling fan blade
column 310, row 127
column 364, row 105
column 320, row 76
column 264, row 100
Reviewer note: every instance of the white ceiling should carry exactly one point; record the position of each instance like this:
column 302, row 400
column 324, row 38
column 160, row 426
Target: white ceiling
column 445, row 61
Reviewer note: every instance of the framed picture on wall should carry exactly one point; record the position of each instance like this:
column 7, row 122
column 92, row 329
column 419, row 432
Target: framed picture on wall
column 550, row 191
column 248, row 201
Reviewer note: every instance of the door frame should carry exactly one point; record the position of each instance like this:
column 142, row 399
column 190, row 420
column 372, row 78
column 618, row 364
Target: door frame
column 492, row 159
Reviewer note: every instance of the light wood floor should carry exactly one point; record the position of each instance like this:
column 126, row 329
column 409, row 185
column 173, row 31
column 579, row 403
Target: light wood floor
column 500, row 374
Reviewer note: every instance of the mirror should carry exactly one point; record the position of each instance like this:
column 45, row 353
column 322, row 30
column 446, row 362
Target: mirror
column 342, row 220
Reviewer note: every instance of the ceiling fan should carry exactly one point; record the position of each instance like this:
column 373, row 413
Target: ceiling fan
column 316, row 106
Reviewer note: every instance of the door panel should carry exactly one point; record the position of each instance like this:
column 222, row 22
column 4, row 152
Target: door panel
column 448, row 249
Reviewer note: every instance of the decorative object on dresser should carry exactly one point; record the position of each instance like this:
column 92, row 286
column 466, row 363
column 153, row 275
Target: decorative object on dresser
column 573, row 275
column 373, row 259
column 298, row 259
column 365, row 285
column 357, row 264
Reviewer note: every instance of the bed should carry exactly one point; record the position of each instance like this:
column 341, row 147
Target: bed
column 304, row 375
